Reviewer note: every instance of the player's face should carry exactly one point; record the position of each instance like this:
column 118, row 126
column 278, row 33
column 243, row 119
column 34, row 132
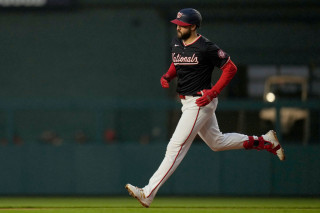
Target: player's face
column 183, row 32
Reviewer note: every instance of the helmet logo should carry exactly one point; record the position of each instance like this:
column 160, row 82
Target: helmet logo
column 179, row 15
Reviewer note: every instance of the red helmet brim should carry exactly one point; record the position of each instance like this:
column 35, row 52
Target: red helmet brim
column 180, row 23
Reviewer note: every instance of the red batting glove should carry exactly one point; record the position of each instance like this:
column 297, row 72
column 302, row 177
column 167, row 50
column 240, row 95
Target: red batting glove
column 207, row 97
column 165, row 81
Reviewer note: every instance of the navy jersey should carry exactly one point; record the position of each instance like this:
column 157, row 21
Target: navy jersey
column 194, row 64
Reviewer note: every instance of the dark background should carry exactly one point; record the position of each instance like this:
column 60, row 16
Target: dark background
column 80, row 97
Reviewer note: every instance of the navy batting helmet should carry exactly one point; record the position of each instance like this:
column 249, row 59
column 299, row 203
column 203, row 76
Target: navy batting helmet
column 187, row 17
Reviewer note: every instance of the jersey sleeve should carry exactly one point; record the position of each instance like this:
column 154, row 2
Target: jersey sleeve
column 216, row 55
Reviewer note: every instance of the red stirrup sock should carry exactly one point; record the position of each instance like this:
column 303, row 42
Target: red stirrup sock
column 259, row 144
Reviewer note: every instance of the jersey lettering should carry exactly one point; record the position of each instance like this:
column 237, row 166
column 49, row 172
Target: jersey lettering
column 194, row 64
column 180, row 60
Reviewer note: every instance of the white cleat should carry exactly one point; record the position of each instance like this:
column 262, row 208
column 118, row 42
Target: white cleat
column 276, row 149
column 138, row 193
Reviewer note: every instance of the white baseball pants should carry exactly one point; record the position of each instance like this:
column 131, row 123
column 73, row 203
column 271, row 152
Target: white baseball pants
column 194, row 120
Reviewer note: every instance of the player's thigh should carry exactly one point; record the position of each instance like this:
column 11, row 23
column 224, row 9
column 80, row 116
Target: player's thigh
column 210, row 131
column 189, row 124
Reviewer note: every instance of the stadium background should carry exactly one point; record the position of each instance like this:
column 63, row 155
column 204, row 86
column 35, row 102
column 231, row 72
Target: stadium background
column 82, row 111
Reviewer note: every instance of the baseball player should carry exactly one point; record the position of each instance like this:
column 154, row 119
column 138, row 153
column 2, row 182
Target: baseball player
column 193, row 60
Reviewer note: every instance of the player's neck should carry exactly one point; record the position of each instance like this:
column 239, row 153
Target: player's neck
column 194, row 35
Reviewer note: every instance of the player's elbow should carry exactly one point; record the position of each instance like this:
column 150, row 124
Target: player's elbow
column 233, row 68
column 230, row 68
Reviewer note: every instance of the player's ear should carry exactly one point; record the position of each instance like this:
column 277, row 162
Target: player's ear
column 193, row 27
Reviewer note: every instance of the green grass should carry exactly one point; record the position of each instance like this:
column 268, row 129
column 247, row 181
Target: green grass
column 160, row 204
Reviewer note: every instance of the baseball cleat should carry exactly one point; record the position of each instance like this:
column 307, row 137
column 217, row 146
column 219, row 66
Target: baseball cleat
column 138, row 193
column 276, row 148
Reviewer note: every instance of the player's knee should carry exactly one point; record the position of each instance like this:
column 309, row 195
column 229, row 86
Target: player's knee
column 217, row 148
column 172, row 148
column 218, row 144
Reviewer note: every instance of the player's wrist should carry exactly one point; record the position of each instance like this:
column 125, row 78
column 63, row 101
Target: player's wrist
column 214, row 92
column 166, row 77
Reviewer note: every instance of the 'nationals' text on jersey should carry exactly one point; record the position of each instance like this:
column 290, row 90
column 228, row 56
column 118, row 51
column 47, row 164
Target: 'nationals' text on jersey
column 194, row 64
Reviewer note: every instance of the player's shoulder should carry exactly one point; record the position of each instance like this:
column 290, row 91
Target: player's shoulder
column 208, row 44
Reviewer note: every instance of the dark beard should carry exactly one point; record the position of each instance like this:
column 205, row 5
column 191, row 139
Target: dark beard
column 184, row 36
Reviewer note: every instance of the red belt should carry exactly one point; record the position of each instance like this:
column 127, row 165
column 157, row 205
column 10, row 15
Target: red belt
column 184, row 97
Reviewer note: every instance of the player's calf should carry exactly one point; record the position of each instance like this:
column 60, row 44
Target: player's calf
column 268, row 141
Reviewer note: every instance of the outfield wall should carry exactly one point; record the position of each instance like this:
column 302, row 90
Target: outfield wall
column 105, row 169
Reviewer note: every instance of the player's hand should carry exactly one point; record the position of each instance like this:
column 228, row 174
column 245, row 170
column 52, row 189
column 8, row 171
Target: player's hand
column 165, row 81
column 207, row 97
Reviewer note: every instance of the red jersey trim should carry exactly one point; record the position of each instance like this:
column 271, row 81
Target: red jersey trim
column 177, row 154
column 192, row 42
column 225, row 63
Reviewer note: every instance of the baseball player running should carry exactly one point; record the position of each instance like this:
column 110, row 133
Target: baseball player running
column 193, row 60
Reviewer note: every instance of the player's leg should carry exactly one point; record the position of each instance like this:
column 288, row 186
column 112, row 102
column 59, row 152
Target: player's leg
column 188, row 126
column 268, row 141
column 217, row 141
